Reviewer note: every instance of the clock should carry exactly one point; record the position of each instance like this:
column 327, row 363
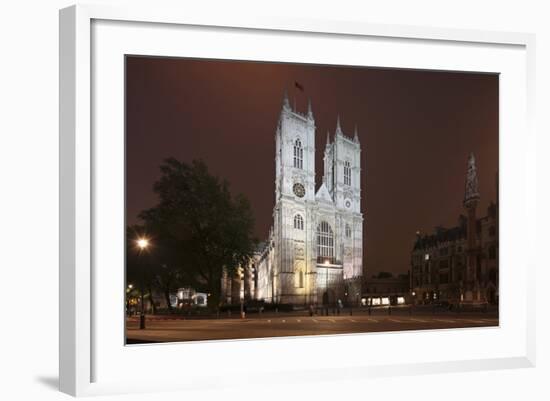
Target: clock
column 299, row 190
column 348, row 203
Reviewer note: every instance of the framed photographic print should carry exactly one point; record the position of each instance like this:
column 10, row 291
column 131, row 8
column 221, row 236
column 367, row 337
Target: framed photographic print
column 316, row 185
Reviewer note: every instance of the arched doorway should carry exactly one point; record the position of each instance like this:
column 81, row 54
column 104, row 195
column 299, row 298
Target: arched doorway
column 329, row 297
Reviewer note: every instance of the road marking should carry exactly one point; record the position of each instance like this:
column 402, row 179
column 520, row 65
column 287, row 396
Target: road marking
column 444, row 321
column 298, row 320
column 332, row 320
column 354, row 321
column 418, row 320
column 268, row 321
column 372, row 320
column 316, row 321
column 473, row 321
column 396, row 321
column 284, row 321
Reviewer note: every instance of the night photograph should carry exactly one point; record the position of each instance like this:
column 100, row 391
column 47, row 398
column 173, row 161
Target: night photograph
column 276, row 199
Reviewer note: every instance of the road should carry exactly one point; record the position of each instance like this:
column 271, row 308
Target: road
column 176, row 329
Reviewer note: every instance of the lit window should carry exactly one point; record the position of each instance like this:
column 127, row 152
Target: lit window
column 298, row 154
column 347, row 173
column 298, row 222
column 300, row 279
column 427, row 256
column 325, row 243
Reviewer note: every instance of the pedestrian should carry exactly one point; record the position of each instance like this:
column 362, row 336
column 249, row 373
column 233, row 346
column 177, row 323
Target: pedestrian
column 340, row 306
column 310, row 310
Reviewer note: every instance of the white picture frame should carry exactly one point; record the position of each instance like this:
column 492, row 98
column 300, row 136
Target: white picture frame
column 81, row 346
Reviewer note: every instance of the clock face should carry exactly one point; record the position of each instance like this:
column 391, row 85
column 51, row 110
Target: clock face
column 348, row 203
column 299, row 190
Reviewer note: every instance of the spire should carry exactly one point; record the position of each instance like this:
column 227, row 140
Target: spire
column 328, row 139
column 338, row 127
column 471, row 193
column 286, row 102
column 309, row 111
column 355, row 135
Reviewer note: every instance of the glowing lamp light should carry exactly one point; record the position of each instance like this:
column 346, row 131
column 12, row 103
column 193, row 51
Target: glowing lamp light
column 327, row 262
column 142, row 243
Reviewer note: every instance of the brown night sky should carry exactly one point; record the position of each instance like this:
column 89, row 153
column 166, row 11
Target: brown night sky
column 416, row 130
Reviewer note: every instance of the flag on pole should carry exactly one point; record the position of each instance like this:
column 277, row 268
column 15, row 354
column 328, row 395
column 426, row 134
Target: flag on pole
column 298, row 85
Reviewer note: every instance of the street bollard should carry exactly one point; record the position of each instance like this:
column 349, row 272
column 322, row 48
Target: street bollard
column 389, row 310
column 142, row 321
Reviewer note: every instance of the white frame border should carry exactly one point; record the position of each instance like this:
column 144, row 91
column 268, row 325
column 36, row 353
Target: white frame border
column 75, row 278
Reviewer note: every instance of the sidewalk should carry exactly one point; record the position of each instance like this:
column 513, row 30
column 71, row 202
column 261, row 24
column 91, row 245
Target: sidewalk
column 400, row 310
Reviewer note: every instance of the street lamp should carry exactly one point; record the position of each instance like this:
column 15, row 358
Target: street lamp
column 326, row 305
column 142, row 244
column 241, row 289
column 128, row 299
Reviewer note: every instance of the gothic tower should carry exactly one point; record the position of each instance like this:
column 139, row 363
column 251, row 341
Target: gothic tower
column 342, row 179
column 294, row 193
column 471, row 198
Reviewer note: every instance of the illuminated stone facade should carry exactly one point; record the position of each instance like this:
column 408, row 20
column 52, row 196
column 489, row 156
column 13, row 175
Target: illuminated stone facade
column 314, row 251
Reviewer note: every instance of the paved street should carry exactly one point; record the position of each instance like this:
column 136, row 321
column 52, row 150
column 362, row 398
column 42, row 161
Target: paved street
column 177, row 329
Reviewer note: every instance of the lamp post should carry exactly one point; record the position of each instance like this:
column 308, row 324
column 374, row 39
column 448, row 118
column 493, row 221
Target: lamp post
column 326, row 287
column 143, row 245
column 241, row 289
column 128, row 295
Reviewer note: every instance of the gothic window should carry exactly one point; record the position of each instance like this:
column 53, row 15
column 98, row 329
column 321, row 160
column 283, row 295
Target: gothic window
column 298, row 222
column 298, row 155
column 325, row 243
column 348, row 231
column 347, row 173
column 300, row 279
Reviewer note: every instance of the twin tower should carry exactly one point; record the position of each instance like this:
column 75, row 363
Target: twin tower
column 314, row 254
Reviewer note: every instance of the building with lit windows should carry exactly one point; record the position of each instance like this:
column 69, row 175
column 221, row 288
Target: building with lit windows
column 314, row 251
column 386, row 289
column 459, row 265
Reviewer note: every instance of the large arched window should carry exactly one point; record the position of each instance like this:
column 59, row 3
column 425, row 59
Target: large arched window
column 325, row 243
column 298, row 222
column 347, row 173
column 298, row 154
